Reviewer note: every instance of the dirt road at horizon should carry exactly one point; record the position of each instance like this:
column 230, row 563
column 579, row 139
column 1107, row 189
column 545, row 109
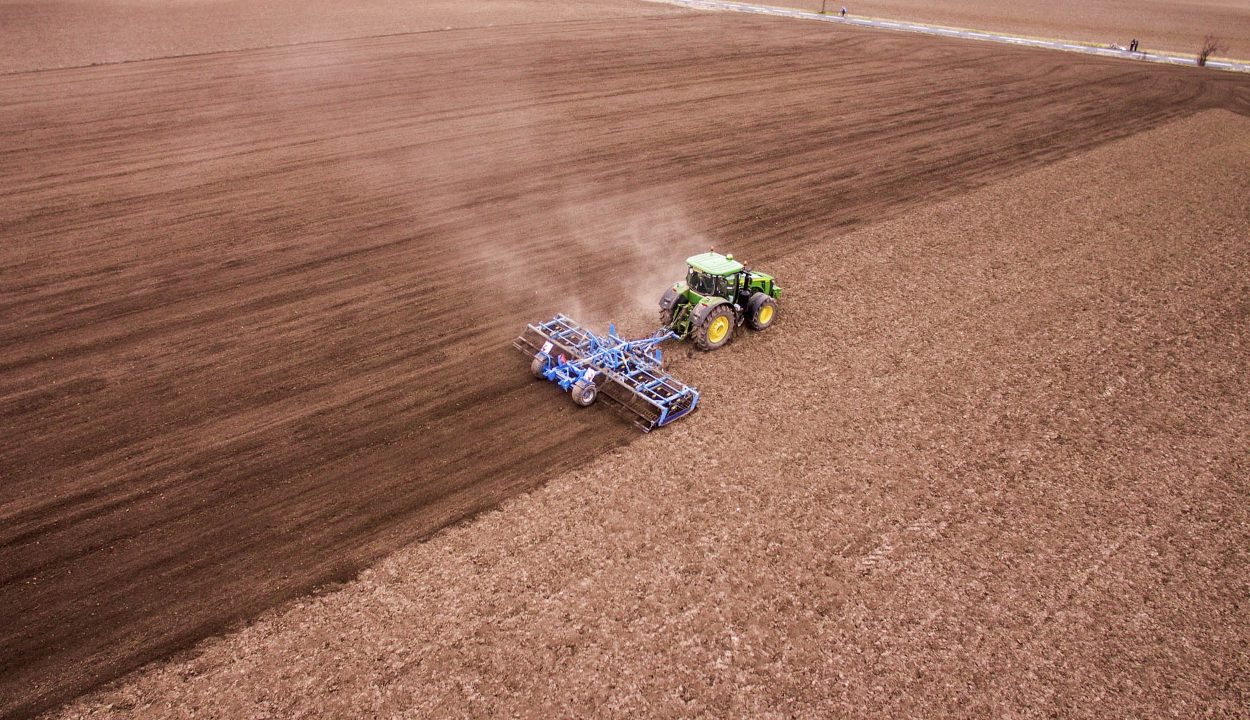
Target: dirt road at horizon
column 258, row 303
column 1159, row 25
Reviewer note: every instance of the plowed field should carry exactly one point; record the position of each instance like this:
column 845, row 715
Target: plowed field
column 257, row 304
column 991, row 462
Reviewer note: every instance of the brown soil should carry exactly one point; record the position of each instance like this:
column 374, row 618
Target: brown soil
column 257, row 304
column 991, row 463
column 1159, row 25
column 45, row 34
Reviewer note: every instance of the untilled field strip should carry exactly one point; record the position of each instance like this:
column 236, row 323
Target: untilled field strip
column 966, row 34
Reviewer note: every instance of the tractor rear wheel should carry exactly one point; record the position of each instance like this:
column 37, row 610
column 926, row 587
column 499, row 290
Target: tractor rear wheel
column 668, row 306
column 537, row 367
column 761, row 311
column 584, row 393
column 716, row 328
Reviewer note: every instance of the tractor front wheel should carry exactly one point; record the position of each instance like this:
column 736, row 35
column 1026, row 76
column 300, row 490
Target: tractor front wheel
column 584, row 393
column 716, row 328
column 761, row 311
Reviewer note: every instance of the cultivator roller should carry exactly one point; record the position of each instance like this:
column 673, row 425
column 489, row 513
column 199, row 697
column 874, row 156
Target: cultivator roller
column 627, row 372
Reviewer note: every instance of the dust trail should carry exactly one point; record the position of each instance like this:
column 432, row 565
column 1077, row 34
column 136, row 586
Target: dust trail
column 643, row 240
column 619, row 251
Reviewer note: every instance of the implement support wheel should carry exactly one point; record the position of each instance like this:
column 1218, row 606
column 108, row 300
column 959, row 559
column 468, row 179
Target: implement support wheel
column 537, row 367
column 761, row 311
column 716, row 328
column 584, row 393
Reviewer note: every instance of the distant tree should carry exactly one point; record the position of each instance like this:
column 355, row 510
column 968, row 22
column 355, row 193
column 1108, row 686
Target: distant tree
column 1210, row 44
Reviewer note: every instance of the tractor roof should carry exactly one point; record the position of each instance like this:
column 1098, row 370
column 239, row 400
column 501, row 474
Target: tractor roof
column 714, row 263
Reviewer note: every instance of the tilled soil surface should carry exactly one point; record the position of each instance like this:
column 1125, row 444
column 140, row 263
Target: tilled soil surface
column 39, row 35
column 990, row 462
column 257, row 304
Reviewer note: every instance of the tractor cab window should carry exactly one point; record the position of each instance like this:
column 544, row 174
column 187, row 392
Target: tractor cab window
column 705, row 284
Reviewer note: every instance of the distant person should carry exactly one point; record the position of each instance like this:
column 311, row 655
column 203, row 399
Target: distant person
column 843, row 12
column 1132, row 47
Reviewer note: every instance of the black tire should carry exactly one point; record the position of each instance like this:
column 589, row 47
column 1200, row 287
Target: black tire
column 537, row 367
column 668, row 306
column 584, row 393
column 716, row 328
column 761, row 311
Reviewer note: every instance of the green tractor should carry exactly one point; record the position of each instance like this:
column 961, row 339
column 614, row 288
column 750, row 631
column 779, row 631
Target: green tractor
column 719, row 294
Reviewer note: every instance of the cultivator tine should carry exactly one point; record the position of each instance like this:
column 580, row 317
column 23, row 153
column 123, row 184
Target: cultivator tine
column 643, row 413
column 655, row 406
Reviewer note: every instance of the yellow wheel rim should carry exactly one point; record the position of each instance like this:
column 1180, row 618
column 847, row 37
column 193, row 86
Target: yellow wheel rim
column 718, row 329
column 766, row 314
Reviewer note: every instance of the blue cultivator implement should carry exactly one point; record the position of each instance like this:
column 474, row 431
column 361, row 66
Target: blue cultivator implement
column 626, row 372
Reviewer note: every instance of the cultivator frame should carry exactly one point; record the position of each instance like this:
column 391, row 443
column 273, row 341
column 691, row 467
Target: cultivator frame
column 627, row 372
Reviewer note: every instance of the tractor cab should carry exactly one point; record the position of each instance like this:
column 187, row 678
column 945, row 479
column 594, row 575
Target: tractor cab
column 713, row 275
column 705, row 284
column 719, row 294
